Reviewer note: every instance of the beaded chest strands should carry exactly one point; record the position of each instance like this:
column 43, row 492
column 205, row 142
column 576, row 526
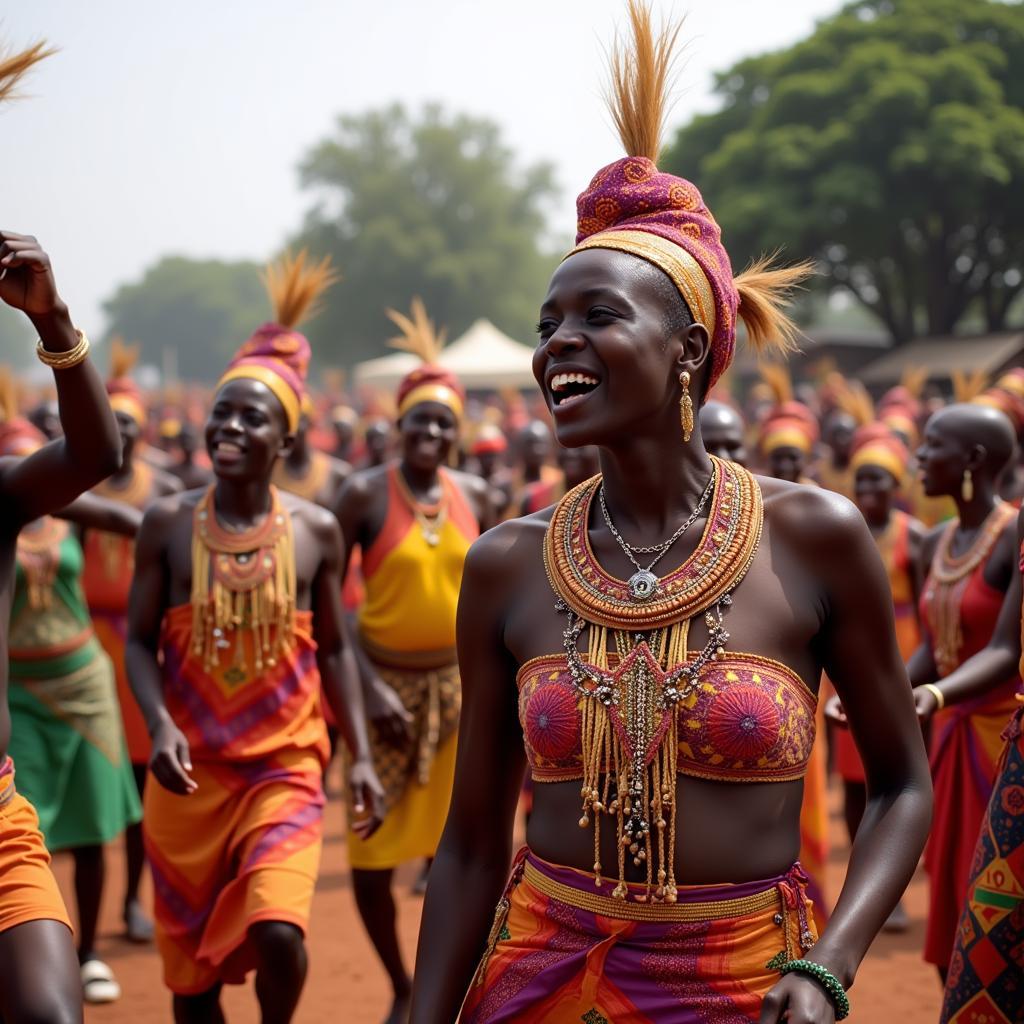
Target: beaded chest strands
column 242, row 582
column 628, row 714
column 948, row 581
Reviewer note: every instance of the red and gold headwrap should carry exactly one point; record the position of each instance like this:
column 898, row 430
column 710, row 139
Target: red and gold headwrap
column 789, row 424
column 632, row 207
column 429, row 382
column 876, row 445
column 125, row 395
column 1007, row 395
column 277, row 355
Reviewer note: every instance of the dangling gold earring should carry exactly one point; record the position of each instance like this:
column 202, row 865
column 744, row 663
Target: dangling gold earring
column 686, row 406
column 967, row 486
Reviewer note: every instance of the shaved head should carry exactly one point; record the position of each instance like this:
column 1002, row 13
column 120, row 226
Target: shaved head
column 982, row 426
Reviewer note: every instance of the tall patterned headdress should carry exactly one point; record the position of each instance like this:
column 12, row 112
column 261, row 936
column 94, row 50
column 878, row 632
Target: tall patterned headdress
column 277, row 355
column 632, row 207
column 429, row 382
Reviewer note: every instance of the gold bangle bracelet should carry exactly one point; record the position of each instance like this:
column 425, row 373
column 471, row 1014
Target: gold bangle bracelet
column 936, row 693
column 64, row 360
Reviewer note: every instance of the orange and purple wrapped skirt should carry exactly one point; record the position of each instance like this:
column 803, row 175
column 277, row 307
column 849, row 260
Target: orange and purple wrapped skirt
column 561, row 950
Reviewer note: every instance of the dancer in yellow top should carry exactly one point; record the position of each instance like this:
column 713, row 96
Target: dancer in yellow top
column 414, row 521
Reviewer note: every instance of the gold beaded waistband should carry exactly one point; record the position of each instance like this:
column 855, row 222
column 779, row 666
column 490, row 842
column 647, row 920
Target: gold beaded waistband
column 689, row 912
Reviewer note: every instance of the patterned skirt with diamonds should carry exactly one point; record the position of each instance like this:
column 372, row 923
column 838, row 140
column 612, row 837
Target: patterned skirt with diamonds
column 986, row 972
column 562, row 949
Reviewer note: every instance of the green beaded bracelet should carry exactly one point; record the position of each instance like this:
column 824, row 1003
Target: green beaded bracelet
column 828, row 981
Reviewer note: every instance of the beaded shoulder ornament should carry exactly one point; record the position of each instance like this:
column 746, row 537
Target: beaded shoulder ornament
column 113, row 546
column 630, row 697
column 242, row 583
column 948, row 581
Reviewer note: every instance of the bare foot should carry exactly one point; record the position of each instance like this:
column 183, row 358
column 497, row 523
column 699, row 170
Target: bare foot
column 399, row 1010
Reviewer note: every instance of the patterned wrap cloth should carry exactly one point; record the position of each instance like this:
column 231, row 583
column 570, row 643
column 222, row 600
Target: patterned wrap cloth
column 562, row 950
column 245, row 846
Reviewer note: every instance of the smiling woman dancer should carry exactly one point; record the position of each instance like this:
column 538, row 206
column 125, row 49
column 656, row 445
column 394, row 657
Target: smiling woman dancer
column 682, row 700
column 235, row 619
column 413, row 520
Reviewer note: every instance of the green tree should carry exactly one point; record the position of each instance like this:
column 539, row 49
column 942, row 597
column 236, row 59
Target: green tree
column 431, row 205
column 201, row 309
column 889, row 146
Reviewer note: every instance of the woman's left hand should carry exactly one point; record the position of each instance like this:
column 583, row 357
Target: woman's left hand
column 797, row 999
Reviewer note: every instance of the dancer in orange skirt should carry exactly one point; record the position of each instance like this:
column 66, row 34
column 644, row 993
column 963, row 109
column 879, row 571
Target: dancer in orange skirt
column 235, row 620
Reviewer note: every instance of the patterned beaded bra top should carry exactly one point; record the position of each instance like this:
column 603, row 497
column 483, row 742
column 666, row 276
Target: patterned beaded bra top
column 629, row 705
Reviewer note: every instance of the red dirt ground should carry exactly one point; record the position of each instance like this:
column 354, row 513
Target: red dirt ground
column 345, row 985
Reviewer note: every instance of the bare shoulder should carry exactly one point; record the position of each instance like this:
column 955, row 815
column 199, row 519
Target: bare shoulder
column 815, row 518
column 167, row 513
column 470, row 483
column 501, row 558
column 363, row 484
column 165, row 482
column 318, row 520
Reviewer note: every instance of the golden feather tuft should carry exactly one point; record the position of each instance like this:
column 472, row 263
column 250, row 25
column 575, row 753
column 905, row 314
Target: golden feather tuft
column 914, row 379
column 641, row 72
column 853, row 398
column 419, row 335
column 967, row 386
column 123, row 357
column 295, row 285
column 764, row 292
column 14, row 67
column 8, row 395
column 777, row 379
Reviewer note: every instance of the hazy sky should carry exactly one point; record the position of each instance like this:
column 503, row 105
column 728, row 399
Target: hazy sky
column 177, row 127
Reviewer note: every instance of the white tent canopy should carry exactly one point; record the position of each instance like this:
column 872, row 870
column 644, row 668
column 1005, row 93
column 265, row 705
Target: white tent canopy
column 484, row 359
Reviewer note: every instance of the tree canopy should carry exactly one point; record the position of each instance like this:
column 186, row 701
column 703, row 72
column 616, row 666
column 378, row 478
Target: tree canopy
column 889, row 146
column 202, row 309
column 430, row 205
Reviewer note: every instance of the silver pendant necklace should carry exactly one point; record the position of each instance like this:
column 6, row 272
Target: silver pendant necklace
column 643, row 584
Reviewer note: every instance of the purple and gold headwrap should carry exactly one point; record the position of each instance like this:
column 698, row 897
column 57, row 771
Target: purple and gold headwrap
column 632, row 207
column 278, row 358
column 277, row 355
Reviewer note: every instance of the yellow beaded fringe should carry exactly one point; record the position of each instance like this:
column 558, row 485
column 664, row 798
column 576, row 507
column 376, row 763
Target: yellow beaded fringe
column 603, row 752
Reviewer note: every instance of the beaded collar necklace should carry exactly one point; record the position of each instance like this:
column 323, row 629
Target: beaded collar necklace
column 628, row 715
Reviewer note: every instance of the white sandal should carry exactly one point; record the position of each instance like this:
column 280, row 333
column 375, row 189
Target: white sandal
column 98, row 983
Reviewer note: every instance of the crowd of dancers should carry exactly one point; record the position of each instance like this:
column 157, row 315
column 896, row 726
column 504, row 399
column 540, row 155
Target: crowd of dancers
column 579, row 606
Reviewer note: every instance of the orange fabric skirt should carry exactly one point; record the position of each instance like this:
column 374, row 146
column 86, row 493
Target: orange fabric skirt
column 28, row 890
column 243, row 848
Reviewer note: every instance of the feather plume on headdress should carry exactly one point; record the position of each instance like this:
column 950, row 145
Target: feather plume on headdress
column 295, row 286
column 17, row 435
column 15, row 66
column 967, row 386
column 914, row 379
column 8, row 395
column 632, row 207
column 778, row 380
column 123, row 357
column 419, row 335
column 429, row 382
column 853, row 398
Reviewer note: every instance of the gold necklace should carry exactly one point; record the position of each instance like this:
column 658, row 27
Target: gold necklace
column 431, row 518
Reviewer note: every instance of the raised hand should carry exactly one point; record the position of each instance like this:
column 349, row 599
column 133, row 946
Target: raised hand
column 26, row 277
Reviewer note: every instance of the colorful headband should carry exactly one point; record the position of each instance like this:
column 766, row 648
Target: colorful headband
column 434, row 391
column 428, row 382
column 786, row 434
column 883, row 455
